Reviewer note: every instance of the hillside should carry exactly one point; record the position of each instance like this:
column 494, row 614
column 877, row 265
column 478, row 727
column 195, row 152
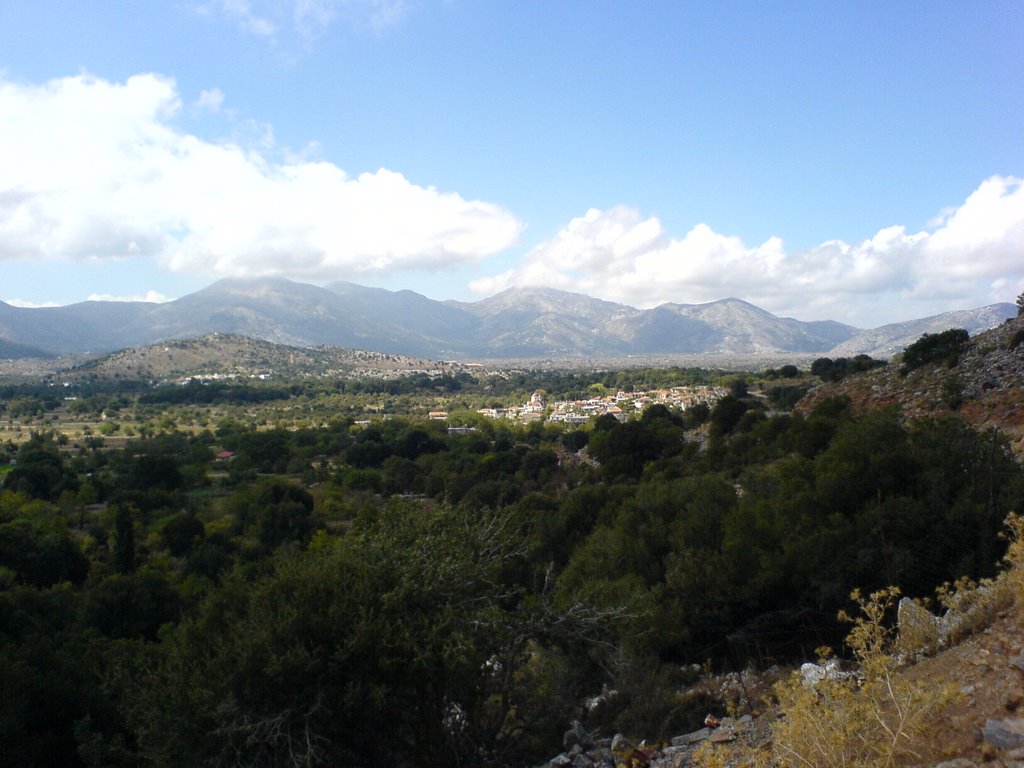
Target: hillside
column 886, row 340
column 986, row 386
column 234, row 356
column 982, row 677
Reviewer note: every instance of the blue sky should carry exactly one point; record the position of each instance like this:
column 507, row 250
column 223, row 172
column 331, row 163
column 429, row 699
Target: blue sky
column 856, row 161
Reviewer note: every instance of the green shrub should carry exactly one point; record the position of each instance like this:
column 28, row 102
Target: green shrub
column 932, row 347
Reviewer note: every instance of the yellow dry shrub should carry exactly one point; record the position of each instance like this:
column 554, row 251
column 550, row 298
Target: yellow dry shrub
column 876, row 718
column 1014, row 558
column 971, row 606
column 872, row 720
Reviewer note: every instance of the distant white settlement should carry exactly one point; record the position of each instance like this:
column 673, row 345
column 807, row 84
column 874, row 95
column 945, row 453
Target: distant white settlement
column 620, row 405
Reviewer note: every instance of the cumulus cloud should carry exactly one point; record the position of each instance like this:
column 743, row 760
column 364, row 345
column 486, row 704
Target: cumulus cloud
column 972, row 254
column 98, row 170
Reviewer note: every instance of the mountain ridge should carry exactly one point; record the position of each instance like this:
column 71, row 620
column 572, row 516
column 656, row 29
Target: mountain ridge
column 522, row 322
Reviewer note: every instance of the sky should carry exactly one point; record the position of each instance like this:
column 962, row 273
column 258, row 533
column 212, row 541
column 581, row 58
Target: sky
column 861, row 162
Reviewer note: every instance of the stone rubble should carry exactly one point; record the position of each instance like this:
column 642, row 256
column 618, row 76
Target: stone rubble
column 1003, row 737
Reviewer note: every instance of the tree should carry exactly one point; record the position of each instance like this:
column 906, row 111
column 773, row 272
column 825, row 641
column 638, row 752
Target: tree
column 1020, row 305
column 401, row 643
column 931, row 347
column 40, row 471
column 181, row 532
column 135, row 605
column 41, row 554
column 124, row 539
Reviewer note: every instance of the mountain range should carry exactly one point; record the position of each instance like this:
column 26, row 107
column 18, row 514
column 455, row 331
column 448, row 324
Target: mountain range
column 517, row 323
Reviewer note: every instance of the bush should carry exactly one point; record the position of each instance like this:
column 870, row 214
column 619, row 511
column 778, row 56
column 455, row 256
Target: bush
column 845, row 721
column 932, row 347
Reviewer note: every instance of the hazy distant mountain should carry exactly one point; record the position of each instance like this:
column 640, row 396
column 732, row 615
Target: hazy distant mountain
column 733, row 325
column 85, row 327
column 538, row 322
column 12, row 351
column 887, row 340
column 517, row 323
column 544, row 321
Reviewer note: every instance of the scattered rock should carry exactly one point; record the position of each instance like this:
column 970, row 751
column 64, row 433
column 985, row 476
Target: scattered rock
column 1004, row 734
column 577, row 735
column 722, row 735
column 691, row 738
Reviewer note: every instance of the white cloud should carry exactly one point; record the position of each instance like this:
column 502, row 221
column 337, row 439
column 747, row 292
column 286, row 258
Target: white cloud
column 153, row 297
column 251, row 21
column 211, row 99
column 973, row 255
column 98, row 170
column 303, row 21
column 30, row 304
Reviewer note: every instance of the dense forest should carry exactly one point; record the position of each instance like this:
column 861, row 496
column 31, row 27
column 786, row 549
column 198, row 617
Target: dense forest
column 395, row 594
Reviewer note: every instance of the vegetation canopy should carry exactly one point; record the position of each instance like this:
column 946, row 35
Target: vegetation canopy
column 393, row 591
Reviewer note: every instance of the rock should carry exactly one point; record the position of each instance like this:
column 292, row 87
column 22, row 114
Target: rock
column 960, row 762
column 561, row 761
column 577, row 735
column 1017, row 662
column 621, row 744
column 722, row 735
column 1004, row 734
column 918, row 627
column 812, row 674
column 582, row 761
column 691, row 738
column 602, row 756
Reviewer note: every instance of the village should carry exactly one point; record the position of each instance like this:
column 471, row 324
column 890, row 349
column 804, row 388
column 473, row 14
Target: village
column 621, row 405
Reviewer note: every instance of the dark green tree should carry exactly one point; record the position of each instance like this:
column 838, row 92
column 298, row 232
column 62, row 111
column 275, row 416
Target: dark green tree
column 401, row 643
column 124, row 539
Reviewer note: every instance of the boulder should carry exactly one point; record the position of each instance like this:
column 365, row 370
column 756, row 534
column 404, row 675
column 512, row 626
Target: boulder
column 1004, row 734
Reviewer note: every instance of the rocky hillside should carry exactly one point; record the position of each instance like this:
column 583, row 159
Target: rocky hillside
column 985, row 385
column 887, row 340
column 918, row 689
column 232, row 356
